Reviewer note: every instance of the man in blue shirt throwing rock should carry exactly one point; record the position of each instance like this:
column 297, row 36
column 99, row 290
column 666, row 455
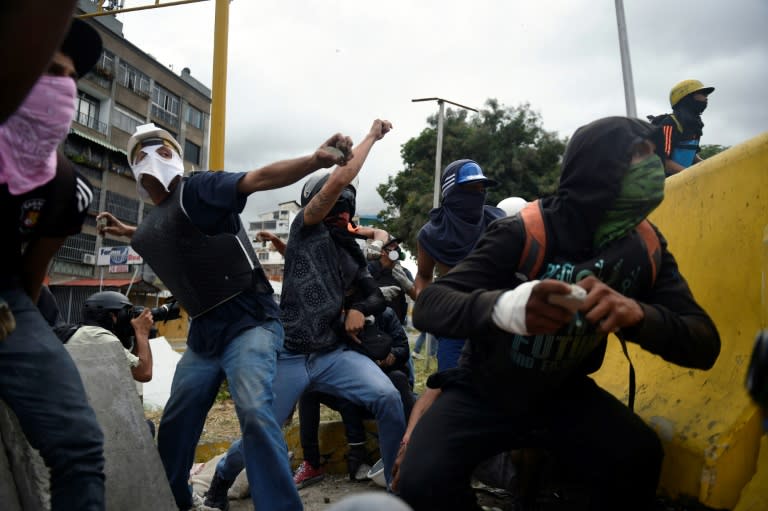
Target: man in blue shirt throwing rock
column 195, row 242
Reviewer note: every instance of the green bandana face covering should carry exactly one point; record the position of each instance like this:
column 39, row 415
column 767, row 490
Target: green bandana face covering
column 642, row 190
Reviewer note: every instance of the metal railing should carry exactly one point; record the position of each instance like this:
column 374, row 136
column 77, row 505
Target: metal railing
column 90, row 122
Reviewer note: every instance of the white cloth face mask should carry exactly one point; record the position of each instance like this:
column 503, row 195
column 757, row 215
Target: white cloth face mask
column 160, row 168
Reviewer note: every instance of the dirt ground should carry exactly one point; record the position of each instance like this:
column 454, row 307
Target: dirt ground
column 222, row 427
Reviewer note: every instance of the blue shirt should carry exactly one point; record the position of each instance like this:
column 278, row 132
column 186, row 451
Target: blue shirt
column 213, row 204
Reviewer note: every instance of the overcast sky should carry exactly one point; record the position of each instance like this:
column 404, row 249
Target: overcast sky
column 300, row 71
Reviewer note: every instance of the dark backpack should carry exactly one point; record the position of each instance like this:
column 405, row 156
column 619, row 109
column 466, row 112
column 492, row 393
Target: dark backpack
column 535, row 249
column 375, row 344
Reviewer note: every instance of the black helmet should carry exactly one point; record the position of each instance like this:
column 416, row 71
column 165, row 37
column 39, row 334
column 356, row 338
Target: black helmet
column 107, row 300
column 97, row 309
column 315, row 183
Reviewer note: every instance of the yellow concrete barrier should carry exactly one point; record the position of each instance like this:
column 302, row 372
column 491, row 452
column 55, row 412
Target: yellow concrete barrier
column 714, row 217
column 333, row 444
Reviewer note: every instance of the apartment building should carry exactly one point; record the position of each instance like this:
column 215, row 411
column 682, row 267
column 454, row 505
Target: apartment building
column 127, row 88
column 278, row 222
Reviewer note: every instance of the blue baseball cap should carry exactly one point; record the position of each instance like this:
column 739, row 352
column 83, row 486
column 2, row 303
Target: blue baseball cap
column 461, row 172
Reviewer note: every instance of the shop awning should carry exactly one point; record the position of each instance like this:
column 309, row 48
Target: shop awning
column 138, row 285
column 97, row 140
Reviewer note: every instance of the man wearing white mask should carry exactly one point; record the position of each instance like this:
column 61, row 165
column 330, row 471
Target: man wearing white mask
column 195, row 242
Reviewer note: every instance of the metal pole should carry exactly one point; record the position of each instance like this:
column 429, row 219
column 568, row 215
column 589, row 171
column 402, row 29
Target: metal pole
column 438, row 153
column 109, row 12
column 135, row 274
column 626, row 64
column 219, row 86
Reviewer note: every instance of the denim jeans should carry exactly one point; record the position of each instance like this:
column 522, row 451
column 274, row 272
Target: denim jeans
column 420, row 340
column 40, row 383
column 448, row 352
column 248, row 362
column 343, row 373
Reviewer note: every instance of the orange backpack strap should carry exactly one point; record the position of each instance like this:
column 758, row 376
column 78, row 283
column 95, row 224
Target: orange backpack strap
column 535, row 240
column 652, row 245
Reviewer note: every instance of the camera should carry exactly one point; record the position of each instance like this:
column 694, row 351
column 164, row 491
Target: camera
column 166, row 312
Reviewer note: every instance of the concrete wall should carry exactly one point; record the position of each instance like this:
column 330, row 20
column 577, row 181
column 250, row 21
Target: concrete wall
column 714, row 217
column 135, row 479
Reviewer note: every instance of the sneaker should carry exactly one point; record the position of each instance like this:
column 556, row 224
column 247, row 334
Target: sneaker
column 216, row 496
column 307, row 475
column 356, row 463
column 416, row 355
column 198, row 504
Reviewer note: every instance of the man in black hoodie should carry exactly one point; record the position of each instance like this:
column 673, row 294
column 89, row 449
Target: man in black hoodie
column 523, row 380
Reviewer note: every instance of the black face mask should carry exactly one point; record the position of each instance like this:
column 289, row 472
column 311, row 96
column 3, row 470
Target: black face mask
column 698, row 107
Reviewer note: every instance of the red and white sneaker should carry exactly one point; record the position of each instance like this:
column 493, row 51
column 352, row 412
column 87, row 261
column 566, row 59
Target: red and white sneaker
column 307, row 475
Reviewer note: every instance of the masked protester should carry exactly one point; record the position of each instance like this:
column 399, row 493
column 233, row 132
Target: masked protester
column 194, row 240
column 42, row 201
column 451, row 233
column 677, row 143
column 322, row 262
column 534, row 338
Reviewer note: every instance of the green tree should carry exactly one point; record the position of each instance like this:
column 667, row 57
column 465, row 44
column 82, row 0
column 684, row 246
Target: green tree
column 709, row 150
column 509, row 143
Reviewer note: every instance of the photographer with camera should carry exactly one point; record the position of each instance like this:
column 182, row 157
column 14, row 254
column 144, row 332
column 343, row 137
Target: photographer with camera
column 109, row 316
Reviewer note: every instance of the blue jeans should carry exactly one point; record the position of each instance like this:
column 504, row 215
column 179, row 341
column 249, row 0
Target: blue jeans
column 248, row 362
column 343, row 373
column 40, row 383
column 420, row 343
column 448, row 352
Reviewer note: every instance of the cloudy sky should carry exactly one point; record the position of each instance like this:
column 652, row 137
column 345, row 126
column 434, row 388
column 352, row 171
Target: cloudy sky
column 300, row 71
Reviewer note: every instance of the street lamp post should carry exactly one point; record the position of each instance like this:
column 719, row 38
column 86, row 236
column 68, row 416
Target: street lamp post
column 626, row 63
column 439, row 152
column 438, row 164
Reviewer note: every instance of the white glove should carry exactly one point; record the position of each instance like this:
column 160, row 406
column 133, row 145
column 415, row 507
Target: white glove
column 402, row 278
column 390, row 292
column 373, row 249
column 509, row 310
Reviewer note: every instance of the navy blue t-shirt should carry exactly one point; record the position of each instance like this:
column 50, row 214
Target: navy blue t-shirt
column 213, row 204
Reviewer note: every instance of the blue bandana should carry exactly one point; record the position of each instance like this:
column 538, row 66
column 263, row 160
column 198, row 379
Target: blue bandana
column 455, row 227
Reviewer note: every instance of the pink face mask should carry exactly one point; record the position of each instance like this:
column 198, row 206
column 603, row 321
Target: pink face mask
column 29, row 138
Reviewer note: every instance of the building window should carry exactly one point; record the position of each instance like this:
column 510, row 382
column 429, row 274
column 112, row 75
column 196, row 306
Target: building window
column 94, row 207
column 165, row 105
column 122, row 207
column 264, row 256
column 77, row 246
column 87, row 112
column 107, row 60
column 191, row 152
column 194, row 117
column 126, row 120
column 131, row 78
column 105, row 66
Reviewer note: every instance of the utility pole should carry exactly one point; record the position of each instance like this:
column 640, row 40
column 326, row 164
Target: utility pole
column 438, row 168
column 626, row 64
column 439, row 152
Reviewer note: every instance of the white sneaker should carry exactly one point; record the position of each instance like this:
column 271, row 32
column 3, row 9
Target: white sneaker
column 417, row 356
column 198, row 504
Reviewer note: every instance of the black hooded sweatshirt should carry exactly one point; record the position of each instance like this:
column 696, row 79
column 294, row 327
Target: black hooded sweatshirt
column 524, row 369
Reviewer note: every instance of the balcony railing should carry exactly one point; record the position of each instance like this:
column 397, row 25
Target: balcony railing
column 90, row 122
